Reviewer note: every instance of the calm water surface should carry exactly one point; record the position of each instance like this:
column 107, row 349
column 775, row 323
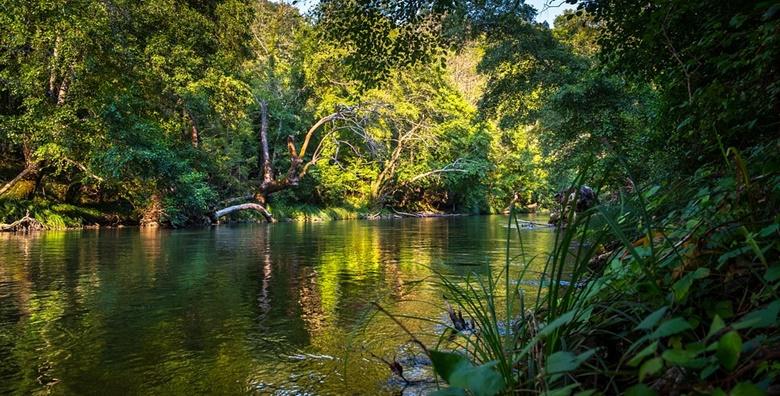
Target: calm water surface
column 251, row 309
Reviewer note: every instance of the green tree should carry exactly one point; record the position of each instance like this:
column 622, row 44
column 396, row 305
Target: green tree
column 714, row 65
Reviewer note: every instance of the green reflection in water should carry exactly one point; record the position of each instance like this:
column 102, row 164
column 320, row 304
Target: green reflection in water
column 247, row 309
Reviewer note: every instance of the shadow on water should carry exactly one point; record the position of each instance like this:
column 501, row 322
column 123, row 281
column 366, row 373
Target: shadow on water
column 246, row 309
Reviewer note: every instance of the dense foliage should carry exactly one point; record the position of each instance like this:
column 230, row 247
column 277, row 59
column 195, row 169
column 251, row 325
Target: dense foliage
column 151, row 112
column 166, row 111
column 668, row 285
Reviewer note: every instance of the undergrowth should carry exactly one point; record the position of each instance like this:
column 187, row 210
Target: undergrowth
column 314, row 213
column 57, row 216
column 667, row 289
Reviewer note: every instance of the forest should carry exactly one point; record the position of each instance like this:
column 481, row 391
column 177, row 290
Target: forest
column 167, row 112
column 187, row 113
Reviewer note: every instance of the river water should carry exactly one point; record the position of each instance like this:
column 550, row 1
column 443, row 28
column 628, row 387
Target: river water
column 250, row 309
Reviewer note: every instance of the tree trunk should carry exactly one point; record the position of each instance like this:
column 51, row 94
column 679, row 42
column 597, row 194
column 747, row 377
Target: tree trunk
column 30, row 170
column 268, row 183
column 38, row 186
column 194, row 134
column 245, row 206
column 63, row 92
column 53, row 72
column 264, row 159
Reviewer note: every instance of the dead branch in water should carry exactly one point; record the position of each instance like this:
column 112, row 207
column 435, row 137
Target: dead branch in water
column 249, row 206
column 25, row 224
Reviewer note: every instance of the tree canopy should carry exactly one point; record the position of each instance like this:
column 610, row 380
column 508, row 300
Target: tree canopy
column 156, row 109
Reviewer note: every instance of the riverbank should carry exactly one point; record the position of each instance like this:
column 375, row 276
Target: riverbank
column 60, row 216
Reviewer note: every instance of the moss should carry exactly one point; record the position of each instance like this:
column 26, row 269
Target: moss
column 57, row 216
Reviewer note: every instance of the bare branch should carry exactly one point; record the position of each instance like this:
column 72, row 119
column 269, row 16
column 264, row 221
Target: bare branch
column 433, row 172
column 84, row 169
column 265, row 157
column 677, row 56
column 246, row 206
column 314, row 128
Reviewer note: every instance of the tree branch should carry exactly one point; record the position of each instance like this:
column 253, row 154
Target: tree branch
column 84, row 169
column 433, row 172
column 245, row 206
column 32, row 167
column 314, row 128
column 265, row 157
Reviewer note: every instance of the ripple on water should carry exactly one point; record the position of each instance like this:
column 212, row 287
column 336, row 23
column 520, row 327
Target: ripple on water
column 281, row 309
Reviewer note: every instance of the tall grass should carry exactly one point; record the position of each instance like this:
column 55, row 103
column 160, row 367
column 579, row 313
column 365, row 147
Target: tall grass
column 666, row 289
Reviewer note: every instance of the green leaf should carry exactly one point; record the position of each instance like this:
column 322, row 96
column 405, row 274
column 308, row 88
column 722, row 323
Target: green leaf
column 561, row 320
column 642, row 354
column 684, row 123
column 718, row 392
column 708, row 371
column 753, row 343
column 650, row 367
column 651, row 320
column 670, row 327
column 565, row 391
column 717, row 324
column 733, row 253
column 769, row 230
column 558, row 322
column 459, row 372
column 772, row 274
column 640, row 390
column 723, row 308
column 680, row 357
column 682, row 286
column 765, row 317
column 729, row 348
column 746, row 389
column 561, row 362
column 447, row 363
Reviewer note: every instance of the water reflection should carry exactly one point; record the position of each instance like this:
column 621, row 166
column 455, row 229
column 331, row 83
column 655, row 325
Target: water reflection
column 249, row 309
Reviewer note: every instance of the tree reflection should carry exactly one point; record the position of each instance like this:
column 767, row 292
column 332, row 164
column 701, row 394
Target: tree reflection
column 229, row 309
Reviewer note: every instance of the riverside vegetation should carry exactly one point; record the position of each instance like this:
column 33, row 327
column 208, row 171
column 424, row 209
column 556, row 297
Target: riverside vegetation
column 167, row 112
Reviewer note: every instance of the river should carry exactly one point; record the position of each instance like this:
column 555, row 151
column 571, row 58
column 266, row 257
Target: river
column 246, row 309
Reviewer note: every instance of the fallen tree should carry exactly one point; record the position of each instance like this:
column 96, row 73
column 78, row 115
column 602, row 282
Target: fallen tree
column 269, row 183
